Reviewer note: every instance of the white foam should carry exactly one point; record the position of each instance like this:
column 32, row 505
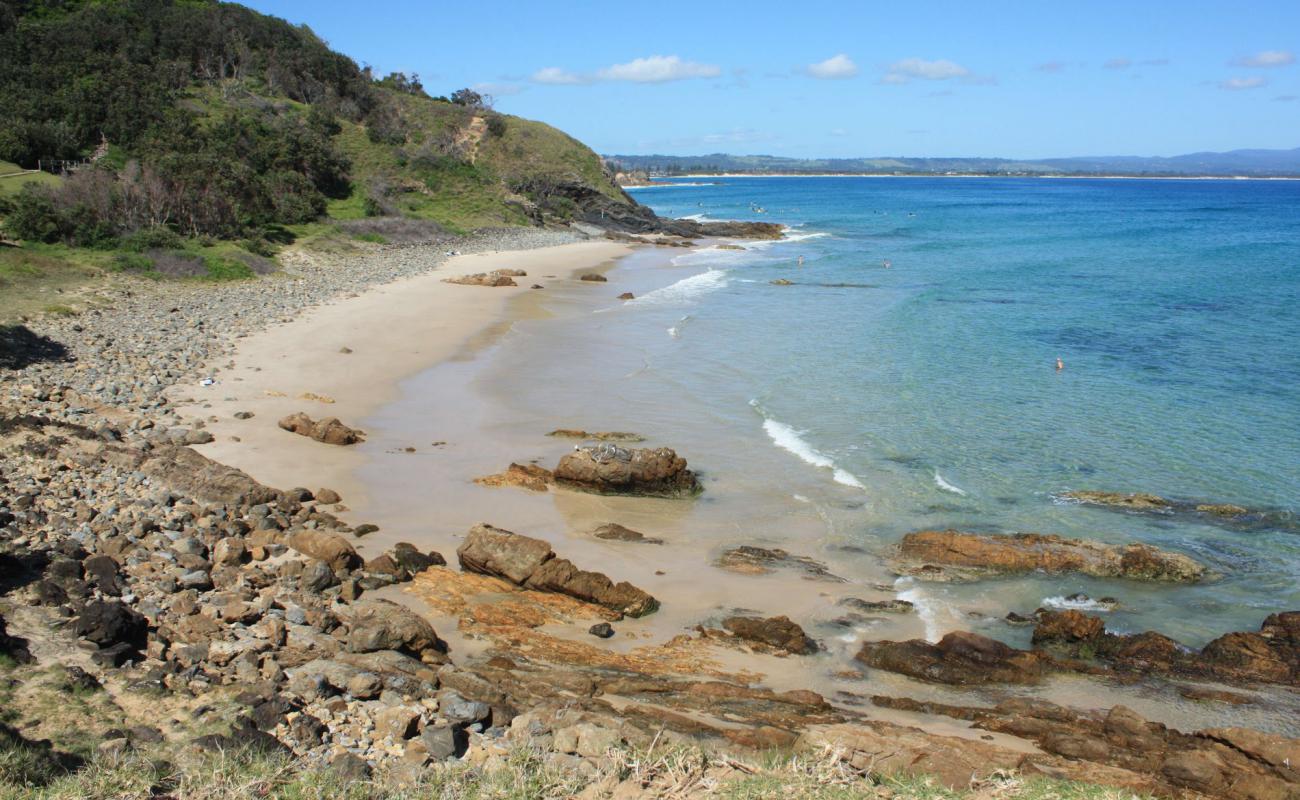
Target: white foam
column 1070, row 603
column 927, row 609
column 787, row 438
column 684, row 291
column 801, row 498
column 947, row 487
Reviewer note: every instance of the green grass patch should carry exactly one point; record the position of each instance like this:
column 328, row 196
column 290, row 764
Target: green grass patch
column 12, row 179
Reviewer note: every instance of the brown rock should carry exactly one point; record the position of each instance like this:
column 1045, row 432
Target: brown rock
column 1140, row 502
column 777, row 632
column 959, row 658
column 612, row 531
column 600, row 436
column 524, row 476
column 594, row 278
column 627, row 296
column 1067, row 627
column 609, row 469
column 328, row 497
column 329, row 430
column 750, row 560
column 328, row 547
column 495, row 551
column 495, row 278
column 561, row 576
column 383, row 625
column 1033, row 552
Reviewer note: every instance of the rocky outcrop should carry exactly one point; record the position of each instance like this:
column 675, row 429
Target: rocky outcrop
column 609, row 469
column 1271, row 655
column 1120, row 747
column 599, row 436
column 613, row 532
column 328, row 430
column 500, row 277
column 523, row 476
column 959, row 658
column 1226, row 515
column 777, row 633
column 530, row 563
column 1134, row 502
column 750, row 560
column 592, row 277
column 382, row 625
column 965, row 555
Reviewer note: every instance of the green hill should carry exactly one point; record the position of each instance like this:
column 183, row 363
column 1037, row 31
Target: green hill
column 209, row 128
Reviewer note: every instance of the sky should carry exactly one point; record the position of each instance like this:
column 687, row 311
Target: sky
column 1025, row 79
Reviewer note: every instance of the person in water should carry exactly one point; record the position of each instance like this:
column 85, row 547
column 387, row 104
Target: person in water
column 1060, row 365
column 800, row 261
column 886, row 264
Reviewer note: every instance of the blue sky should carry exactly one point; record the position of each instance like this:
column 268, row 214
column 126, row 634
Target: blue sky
column 904, row 77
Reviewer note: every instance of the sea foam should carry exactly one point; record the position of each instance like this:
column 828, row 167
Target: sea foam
column 683, row 291
column 947, row 487
column 788, row 439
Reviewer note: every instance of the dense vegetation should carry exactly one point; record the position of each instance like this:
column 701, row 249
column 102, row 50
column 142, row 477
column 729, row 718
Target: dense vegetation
column 193, row 119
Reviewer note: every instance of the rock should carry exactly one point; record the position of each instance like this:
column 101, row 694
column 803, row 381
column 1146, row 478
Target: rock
column 627, row 296
column 609, row 469
column 959, row 658
column 328, row 497
column 523, row 476
column 243, row 415
column 364, row 685
column 331, row 548
column 384, row 625
column 776, row 632
column 444, row 741
column 587, row 740
column 112, row 749
column 531, row 563
column 413, row 561
column 328, row 430
column 593, row 278
column 1141, row 502
column 980, row 553
column 612, row 531
column 601, row 630
column 198, row 579
column 316, row 577
column 751, row 560
column 561, row 576
column 349, row 768
column 364, row 529
column 781, row 282
column 399, row 722
column 101, row 573
column 600, row 436
column 495, row 551
column 107, row 623
column 495, row 278
column 1222, row 509
column 229, row 551
column 460, row 711
column 891, row 606
column 385, row 565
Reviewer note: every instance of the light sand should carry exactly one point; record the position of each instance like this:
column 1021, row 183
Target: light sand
column 394, row 331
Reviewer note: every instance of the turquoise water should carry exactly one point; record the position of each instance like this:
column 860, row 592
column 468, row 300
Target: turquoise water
column 925, row 395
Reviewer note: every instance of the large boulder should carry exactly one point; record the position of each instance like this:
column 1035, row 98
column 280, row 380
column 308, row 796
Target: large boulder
column 328, row 430
column 561, row 576
column 384, row 625
column 959, row 658
column 775, row 632
column 194, row 474
column 494, row 551
column 331, row 548
column 531, row 563
column 108, row 623
column 609, row 469
column 984, row 553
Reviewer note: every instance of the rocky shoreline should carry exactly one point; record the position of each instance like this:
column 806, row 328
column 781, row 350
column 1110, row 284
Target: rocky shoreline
column 164, row 575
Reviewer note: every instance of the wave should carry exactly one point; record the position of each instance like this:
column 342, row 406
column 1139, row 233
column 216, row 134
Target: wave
column 683, row 291
column 927, row 608
column 947, row 487
column 1078, row 603
column 788, row 439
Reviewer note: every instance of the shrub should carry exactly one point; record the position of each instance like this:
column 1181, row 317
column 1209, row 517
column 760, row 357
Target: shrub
column 34, row 216
column 496, row 125
column 393, row 230
column 155, row 238
column 226, row 269
column 132, row 262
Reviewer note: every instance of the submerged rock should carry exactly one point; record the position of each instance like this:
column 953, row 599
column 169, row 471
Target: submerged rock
column 984, row 553
column 609, row 469
column 523, row 476
column 600, row 436
column 612, row 531
column 750, row 560
column 1139, row 501
column 775, row 632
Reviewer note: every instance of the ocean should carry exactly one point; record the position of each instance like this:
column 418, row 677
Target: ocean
column 863, row 401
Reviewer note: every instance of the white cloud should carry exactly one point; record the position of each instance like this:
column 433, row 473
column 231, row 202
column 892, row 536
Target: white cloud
column 1237, row 84
column 558, row 76
column 1266, row 58
column 910, row 69
column 835, row 67
column 654, row 69
column 498, row 89
column 658, row 69
column 1118, row 63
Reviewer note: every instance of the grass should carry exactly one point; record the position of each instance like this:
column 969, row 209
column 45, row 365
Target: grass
column 11, row 182
column 521, row 773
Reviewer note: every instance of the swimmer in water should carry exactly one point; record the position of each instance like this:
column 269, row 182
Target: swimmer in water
column 886, row 264
column 800, row 261
column 1060, row 365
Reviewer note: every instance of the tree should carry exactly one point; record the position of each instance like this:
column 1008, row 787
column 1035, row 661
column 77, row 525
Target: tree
column 471, row 99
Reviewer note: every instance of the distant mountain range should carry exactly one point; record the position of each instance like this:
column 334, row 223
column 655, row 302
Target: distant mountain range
column 1254, row 163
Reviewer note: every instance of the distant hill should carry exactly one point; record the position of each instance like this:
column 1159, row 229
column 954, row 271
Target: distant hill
column 1255, row 163
column 208, row 120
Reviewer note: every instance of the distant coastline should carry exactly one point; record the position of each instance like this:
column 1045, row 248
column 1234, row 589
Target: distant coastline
column 671, row 180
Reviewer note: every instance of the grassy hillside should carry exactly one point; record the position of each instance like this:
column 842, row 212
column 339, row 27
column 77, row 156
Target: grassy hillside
column 206, row 131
